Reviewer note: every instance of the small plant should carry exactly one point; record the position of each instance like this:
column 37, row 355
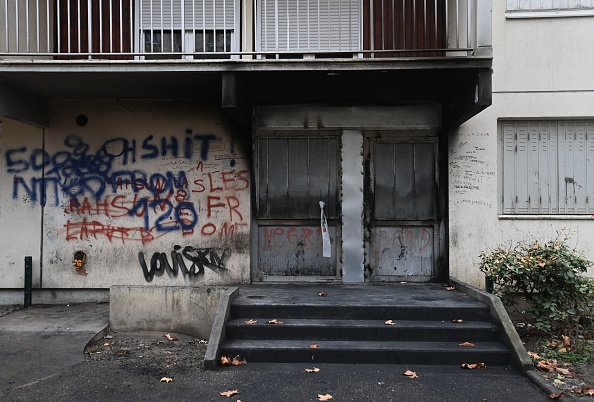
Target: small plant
column 549, row 276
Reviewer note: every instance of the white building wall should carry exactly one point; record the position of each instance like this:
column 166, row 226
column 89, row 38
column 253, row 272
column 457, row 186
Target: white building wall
column 150, row 183
column 20, row 216
column 542, row 69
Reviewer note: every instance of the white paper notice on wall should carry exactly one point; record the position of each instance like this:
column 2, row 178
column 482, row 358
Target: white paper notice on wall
column 327, row 252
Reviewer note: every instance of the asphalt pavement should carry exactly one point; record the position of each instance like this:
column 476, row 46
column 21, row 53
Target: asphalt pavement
column 41, row 358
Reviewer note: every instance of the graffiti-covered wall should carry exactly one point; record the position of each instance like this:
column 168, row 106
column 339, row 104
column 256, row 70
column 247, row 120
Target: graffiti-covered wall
column 135, row 192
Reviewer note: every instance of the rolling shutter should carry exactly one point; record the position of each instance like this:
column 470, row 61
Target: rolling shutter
column 187, row 14
column 309, row 25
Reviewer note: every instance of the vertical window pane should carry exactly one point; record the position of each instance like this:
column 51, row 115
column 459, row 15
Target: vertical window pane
column 211, row 46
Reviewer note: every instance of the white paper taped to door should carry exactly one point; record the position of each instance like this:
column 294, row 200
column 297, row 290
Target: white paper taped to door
column 327, row 250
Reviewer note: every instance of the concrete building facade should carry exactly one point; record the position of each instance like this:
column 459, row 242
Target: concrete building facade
column 523, row 169
column 190, row 143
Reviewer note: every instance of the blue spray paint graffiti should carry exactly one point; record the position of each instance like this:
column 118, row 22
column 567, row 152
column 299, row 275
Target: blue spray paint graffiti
column 77, row 172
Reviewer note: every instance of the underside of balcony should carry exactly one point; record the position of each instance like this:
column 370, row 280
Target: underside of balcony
column 461, row 85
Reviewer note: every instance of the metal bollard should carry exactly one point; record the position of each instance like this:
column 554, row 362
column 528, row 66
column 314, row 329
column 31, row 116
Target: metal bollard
column 28, row 280
column 489, row 284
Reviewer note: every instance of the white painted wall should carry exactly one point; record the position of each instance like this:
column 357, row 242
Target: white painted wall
column 20, row 217
column 115, row 226
column 542, row 69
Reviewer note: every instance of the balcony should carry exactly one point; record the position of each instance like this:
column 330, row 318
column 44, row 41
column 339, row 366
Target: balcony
column 242, row 29
column 289, row 51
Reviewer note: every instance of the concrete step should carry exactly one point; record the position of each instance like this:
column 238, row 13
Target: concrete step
column 362, row 352
column 348, row 325
column 469, row 312
column 363, row 330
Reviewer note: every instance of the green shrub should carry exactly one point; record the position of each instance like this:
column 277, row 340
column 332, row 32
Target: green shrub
column 549, row 276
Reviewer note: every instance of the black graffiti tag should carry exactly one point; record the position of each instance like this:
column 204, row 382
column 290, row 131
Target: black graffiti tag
column 214, row 259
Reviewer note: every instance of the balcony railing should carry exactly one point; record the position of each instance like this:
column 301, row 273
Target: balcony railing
column 246, row 29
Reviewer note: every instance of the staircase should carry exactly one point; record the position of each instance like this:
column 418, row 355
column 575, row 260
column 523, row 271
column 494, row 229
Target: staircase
column 348, row 325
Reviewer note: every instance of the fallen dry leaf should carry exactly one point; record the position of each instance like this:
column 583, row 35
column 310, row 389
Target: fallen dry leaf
column 313, row 370
column 564, row 372
column 323, row 294
column 534, row 355
column 556, row 395
column 238, row 361
column 106, row 344
column 390, row 322
column 548, row 365
column 472, row 366
column 250, row 322
column 326, row 397
column 225, row 361
column 566, row 340
column 108, row 336
column 466, row 344
column 170, row 338
column 458, row 321
column 450, row 288
column 229, row 393
column 314, row 346
column 410, row 374
column 552, row 344
column 166, row 379
column 562, row 350
column 587, row 390
column 275, row 321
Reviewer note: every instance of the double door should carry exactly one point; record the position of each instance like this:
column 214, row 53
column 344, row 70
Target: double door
column 395, row 188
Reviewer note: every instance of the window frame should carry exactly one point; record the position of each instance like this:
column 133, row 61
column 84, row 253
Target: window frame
column 518, row 9
column 189, row 31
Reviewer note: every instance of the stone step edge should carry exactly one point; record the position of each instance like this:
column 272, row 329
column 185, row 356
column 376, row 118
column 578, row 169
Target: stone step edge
column 359, row 323
column 409, row 346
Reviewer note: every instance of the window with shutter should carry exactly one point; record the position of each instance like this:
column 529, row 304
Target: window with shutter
column 188, row 26
column 547, row 167
column 308, row 25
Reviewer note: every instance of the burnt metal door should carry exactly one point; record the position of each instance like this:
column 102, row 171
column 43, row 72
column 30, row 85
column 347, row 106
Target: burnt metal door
column 402, row 193
column 295, row 173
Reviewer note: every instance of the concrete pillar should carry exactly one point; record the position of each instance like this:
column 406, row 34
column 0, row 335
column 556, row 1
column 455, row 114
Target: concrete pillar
column 352, row 206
